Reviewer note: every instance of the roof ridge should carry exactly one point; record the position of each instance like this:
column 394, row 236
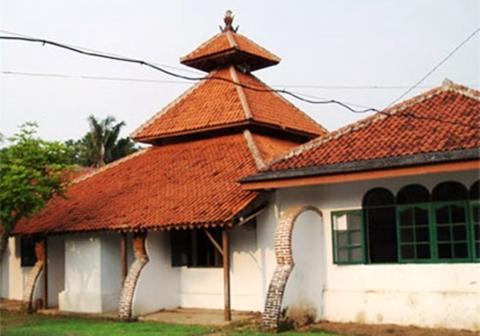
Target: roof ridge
column 388, row 112
column 241, row 94
column 461, row 89
column 275, row 57
column 110, row 165
column 290, row 103
column 231, row 39
column 169, row 106
column 253, row 148
column 187, row 56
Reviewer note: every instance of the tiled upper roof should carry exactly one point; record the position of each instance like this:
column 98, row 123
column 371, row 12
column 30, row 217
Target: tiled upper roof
column 214, row 104
column 177, row 185
column 446, row 118
column 229, row 48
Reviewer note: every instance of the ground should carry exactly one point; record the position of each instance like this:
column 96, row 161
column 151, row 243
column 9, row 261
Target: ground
column 21, row 324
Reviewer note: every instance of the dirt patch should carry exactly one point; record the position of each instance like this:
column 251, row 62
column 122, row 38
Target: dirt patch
column 358, row 329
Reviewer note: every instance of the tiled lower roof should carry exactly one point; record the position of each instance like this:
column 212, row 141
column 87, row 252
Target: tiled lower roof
column 178, row 185
column 444, row 119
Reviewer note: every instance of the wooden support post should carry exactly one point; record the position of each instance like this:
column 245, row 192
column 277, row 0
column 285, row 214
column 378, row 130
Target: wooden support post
column 123, row 255
column 45, row 275
column 226, row 275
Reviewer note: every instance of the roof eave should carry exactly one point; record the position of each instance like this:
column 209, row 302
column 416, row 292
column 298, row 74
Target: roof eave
column 209, row 62
column 244, row 124
column 364, row 166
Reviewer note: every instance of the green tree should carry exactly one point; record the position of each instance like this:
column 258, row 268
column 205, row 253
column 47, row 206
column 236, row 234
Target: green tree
column 101, row 144
column 31, row 173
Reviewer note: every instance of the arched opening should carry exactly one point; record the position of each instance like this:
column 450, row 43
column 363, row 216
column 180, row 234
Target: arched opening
column 379, row 217
column 475, row 191
column 285, row 263
column 449, row 191
column 303, row 299
column 451, row 213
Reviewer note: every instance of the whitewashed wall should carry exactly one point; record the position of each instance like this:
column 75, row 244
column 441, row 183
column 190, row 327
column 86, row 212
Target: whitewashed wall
column 157, row 286
column 92, row 273
column 304, row 290
column 250, row 271
column 203, row 287
column 431, row 295
column 13, row 276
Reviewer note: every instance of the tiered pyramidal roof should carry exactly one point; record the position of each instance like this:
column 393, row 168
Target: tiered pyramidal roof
column 226, row 127
column 230, row 96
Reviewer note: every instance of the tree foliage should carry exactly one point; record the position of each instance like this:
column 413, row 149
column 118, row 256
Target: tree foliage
column 101, row 144
column 31, row 172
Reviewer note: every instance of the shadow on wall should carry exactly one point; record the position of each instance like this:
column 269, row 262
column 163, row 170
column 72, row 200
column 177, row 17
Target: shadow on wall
column 81, row 268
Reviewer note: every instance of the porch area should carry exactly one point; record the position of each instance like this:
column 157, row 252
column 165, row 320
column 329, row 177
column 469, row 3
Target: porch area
column 195, row 316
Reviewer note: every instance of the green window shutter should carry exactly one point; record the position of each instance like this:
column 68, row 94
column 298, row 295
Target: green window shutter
column 414, row 233
column 452, row 231
column 348, row 237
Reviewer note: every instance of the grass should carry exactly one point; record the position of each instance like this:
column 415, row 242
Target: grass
column 20, row 324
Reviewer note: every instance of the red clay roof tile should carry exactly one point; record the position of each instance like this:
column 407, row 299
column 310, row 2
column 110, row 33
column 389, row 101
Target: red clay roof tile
column 186, row 184
column 216, row 103
column 443, row 119
column 229, row 48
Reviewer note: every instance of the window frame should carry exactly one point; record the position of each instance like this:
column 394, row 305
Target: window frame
column 362, row 246
column 192, row 249
column 431, row 207
column 471, row 205
column 469, row 225
column 27, row 244
column 432, row 234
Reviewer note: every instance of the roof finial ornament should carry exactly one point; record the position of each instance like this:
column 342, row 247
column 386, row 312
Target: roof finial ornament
column 228, row 19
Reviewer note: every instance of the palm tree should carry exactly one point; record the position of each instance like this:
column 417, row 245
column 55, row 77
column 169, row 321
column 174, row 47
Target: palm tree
column 101, row 144
column 102, row 139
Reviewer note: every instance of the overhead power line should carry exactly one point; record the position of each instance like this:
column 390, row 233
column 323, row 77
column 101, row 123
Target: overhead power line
column 450, row 54
column 180, row 76
column 163, row 81
column 192, row 71
column 298, row 96
column 92, row 77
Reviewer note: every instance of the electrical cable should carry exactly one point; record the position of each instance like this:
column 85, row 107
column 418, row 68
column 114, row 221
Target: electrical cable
column 450, row 54
column 151, row 80
column 190, row 78
column 298, row 96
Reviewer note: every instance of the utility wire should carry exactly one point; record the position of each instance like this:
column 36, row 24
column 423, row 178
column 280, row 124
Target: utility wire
column 92, row 77
column 450, row 54
column 106, row 53
column 151, row 80
column 297, row 96
column 185, row 77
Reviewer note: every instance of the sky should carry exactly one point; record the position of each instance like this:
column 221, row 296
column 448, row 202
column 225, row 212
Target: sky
column 329, row 49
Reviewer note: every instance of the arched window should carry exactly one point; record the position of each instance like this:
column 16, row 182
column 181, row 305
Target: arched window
column 449, row 191
column 451, row 224
column 475, row 216
column 413, row 193
column 379, row 215
column 475, row 191
column 413, row 221
column 378, row 197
